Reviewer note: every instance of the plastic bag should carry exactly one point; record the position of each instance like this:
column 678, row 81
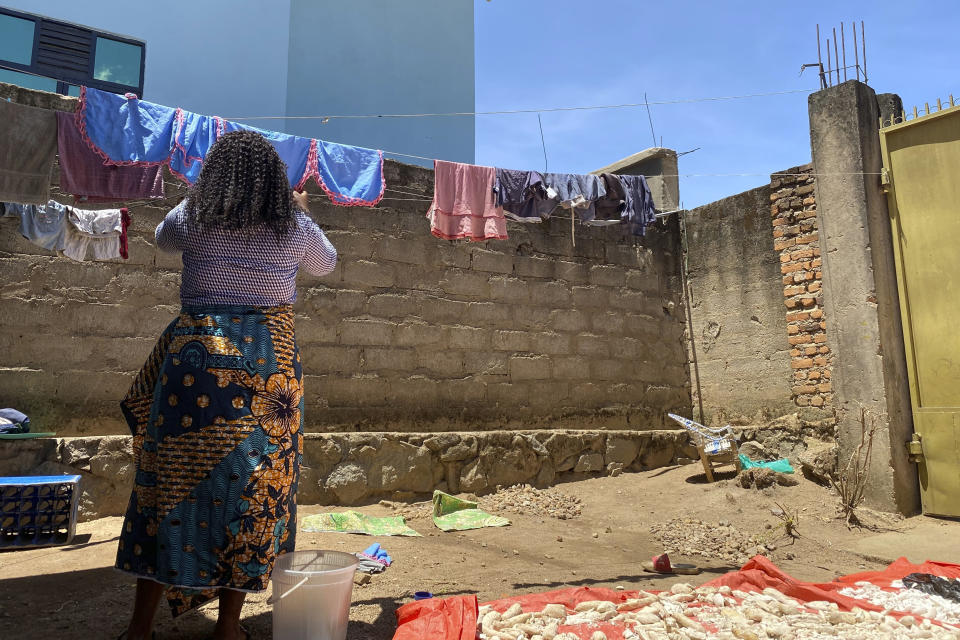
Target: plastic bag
column 934, row 585
column 780, row 466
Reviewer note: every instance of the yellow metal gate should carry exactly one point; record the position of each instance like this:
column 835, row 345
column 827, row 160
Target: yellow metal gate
column 921, row 160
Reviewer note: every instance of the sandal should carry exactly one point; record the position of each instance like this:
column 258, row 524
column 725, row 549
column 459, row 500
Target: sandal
column 661, row 564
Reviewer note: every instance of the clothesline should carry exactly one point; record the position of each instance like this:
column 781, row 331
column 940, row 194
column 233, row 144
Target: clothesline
column 626, row 105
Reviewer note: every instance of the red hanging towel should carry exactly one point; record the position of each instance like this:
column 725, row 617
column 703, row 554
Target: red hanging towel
column 463, row 204
column 83, row 174
column 124, row 223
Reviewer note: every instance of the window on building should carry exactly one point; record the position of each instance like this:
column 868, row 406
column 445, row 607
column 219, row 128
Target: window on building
column 40, row 53
column 16, row 39
column 117, row 62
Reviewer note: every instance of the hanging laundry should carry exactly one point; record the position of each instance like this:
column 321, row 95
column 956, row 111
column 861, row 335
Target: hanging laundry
column 43, row 225
column 293, row 150
column 576, row 192
column 28, row 146
column 83, row 174
column 193, row 136
column 638, row 204
column 125, row 130
column 99, row 230
column 463, row 203
column 350, row 176
column 610, row 208
column 124, row 223
column 522, row 195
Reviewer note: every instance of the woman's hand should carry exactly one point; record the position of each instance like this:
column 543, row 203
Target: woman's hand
column 300, row 199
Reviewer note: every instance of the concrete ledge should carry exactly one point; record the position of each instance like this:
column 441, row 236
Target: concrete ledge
column 355, row 468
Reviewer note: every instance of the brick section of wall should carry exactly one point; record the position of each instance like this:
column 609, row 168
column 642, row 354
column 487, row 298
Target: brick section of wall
column 796, row 238
column 410, row 333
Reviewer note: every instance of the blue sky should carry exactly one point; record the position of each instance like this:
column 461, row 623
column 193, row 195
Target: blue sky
column 543, row 53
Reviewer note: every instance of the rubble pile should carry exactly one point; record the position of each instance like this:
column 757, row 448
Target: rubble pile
column 687, row 537
column 524, row 499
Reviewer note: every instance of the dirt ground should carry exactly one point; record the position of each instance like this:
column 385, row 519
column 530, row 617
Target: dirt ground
column 73, row 593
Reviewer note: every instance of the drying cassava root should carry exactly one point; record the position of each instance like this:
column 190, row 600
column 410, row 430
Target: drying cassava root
column 689, row 613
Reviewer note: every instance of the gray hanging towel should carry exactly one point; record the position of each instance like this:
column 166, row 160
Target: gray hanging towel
column 28, row 146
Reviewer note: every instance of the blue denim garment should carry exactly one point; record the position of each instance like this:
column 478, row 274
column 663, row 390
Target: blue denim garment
column 571, row 185
column 43, row 225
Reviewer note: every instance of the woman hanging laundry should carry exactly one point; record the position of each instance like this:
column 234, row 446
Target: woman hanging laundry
column 216, row 411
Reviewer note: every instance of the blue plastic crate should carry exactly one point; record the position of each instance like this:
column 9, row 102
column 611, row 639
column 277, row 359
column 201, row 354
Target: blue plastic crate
column 38, row 511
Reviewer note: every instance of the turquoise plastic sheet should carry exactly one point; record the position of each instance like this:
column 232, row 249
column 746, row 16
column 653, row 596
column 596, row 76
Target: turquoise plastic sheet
column 782, row 465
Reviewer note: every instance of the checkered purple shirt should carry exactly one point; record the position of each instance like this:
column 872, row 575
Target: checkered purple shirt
column 222, row 267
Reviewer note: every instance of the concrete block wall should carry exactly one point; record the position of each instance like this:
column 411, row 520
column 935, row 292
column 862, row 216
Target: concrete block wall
column 410, row 333
column 797, row 240
column 736, row 297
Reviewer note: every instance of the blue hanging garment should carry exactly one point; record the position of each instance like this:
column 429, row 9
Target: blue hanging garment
column 350, row 176
column 293, row 150
column 124, row 130
column 194, row 134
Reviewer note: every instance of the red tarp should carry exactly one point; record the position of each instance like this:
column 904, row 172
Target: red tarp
column 456, row 618
column 441, row 618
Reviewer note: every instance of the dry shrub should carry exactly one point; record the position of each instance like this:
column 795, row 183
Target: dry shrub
column 850, row 483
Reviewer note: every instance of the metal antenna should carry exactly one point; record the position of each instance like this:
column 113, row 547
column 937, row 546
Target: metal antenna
column 863, row 42
column 843, row 45
column 823, row 80
column 836, row 54
column 650, row 117
column 544, row 144
column 856, row 54
column 829, row 68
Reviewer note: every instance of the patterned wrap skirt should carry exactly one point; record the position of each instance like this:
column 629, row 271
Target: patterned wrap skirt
column 216, row 415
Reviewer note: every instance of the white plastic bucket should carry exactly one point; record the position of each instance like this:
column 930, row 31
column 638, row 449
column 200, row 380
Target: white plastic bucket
column 311, row 595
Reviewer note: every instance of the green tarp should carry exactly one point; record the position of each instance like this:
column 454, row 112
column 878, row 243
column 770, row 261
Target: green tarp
column 781, row 466
column 356, row 522
column 453, row 514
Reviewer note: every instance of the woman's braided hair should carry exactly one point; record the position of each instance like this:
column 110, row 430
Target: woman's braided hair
column 243, row 184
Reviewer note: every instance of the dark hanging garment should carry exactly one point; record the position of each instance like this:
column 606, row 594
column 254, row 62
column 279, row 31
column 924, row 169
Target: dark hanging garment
column 522, row 195
column 639, row 210
column 610, row 208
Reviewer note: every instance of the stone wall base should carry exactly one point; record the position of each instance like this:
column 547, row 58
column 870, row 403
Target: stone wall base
column 356, row 468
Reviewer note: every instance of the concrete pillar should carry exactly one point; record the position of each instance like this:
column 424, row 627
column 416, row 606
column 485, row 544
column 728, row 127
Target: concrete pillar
column 860, row 290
